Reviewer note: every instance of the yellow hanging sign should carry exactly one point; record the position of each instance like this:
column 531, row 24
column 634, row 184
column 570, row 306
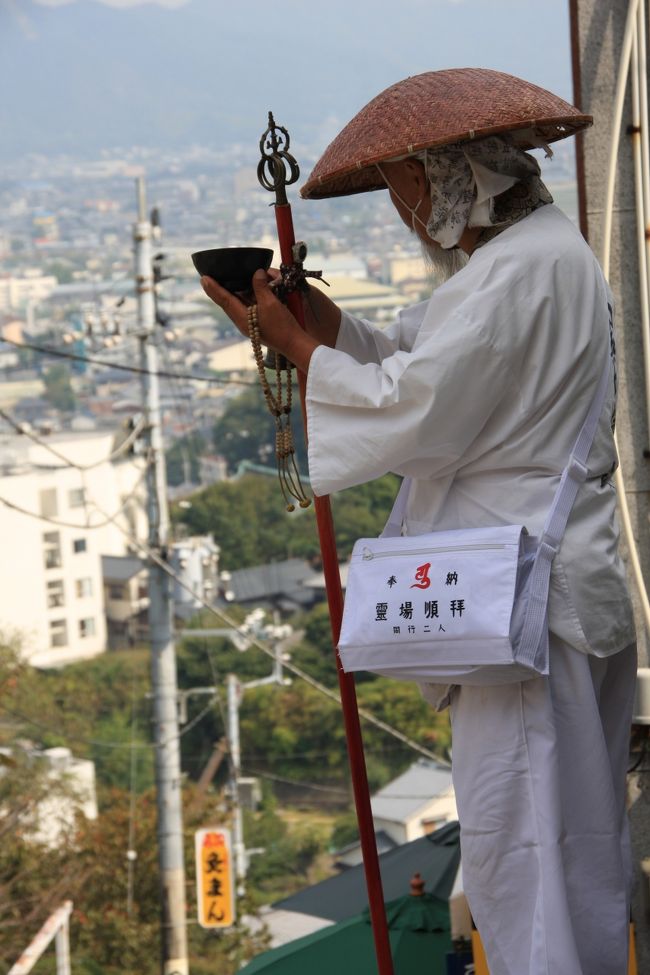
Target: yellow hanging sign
column 215, row 880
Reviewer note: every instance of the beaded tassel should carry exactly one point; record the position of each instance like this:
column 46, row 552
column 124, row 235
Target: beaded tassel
column 279, row 406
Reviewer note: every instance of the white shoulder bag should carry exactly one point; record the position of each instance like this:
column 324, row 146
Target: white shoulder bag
column 467, row 606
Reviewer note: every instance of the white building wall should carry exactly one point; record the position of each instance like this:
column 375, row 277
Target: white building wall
column 56, row 814
column 433, row 815
column 17, row 292
column 58, row 608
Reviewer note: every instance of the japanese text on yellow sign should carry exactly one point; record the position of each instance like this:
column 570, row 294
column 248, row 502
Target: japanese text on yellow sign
column 215, row 884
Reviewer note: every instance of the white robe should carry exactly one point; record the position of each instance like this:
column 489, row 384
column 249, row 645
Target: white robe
column 478, row 395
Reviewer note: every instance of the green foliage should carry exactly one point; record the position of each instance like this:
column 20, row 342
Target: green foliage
column 62, row 270
column 292, row 732
column 288, row 854
column 89, row 707
column 400, row 704
column 361, row 511
column 58, row 389
column 202, row 661
column 246, row 431
column 315, row 653
column 248, row 520
column 185, row 450
column 345, row 831
column 318, row 630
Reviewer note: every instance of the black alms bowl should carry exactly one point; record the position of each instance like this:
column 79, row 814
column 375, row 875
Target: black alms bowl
column 232, row 267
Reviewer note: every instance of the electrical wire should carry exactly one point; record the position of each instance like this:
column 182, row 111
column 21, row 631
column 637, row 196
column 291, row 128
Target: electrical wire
column 233, row 624
column 631, row 27
column 108, row 519
column 427, row 797
column 126, row 444
column 304, row 785
column 75, row 357
column 100, row 743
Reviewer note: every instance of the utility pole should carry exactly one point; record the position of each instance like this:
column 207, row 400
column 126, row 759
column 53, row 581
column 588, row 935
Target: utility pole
column 163, row 658
column 235, row 693
column 235, row 771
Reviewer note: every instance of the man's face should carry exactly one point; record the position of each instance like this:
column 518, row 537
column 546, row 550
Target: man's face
column 407, row 179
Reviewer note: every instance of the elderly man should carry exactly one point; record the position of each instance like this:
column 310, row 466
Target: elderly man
column 478, row 395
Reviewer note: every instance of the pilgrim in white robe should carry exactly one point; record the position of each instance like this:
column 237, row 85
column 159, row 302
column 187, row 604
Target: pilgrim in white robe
column 478, row 395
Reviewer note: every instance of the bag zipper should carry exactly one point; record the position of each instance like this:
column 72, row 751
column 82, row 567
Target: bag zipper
column 368, row 554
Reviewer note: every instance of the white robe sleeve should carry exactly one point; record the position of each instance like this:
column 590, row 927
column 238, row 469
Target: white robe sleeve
column 415, row 412
column 368, row 343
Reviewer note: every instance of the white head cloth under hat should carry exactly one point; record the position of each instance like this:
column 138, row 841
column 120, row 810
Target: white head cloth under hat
column 465, row 180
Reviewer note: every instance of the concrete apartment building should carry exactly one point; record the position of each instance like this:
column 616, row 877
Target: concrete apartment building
column 55, row 528
column 17, row 292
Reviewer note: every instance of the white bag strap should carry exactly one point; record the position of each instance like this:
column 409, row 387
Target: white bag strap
column 574, row 474
column 393, row 527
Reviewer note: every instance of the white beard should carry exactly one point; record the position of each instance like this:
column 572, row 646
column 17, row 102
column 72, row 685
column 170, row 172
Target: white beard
column 443, row 263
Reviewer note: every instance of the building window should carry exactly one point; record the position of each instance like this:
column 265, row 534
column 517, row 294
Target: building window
column 55, row 594
column 118, row 593
column 58, row 633
column 84, row 587
column 87, row 627
column 48, row 503
column 76, row 498
column 79, row 545
column 52, row 550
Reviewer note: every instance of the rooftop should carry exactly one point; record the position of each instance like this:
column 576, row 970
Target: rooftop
column 412, row 790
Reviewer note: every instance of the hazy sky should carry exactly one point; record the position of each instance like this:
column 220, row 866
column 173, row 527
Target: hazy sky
column 116, row 3
column 93, row 73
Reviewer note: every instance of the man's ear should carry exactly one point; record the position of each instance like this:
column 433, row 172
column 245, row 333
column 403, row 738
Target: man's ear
column 416, row 172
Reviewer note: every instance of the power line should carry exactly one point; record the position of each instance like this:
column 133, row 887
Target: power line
column 75, row 357
column 233, row 624
column 305, row 785
column 100, row 743
column 108, row 519
column 220, row 614
column 23, row 430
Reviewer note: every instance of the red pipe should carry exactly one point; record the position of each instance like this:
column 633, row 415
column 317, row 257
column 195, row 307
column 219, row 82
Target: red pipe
column 347, row 687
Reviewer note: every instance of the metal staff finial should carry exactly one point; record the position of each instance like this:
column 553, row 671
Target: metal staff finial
column 277, row 168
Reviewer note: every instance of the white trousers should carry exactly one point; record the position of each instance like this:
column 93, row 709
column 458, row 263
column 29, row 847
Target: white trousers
column 539, row 771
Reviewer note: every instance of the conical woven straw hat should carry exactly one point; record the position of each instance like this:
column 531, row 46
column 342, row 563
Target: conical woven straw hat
column 435, row 109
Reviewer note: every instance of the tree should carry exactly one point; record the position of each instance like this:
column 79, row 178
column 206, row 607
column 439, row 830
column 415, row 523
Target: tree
column 58, row 389
column 246, row 431
column 88, row 864
column 248, row 521
column 91, row 869
column 185, row 450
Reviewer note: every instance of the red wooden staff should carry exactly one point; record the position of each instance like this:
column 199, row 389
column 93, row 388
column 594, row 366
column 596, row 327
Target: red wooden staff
column 276, row 170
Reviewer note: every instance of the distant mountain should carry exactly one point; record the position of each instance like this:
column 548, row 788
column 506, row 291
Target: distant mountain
column 85, row 76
